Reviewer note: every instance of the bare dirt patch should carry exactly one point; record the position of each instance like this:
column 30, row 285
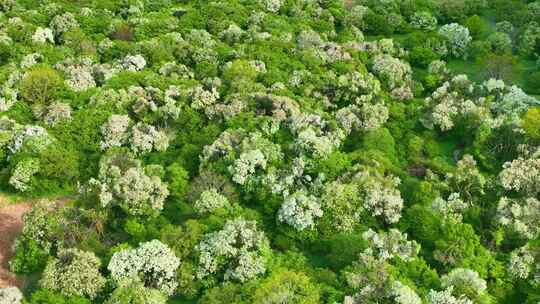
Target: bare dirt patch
column 11, row 224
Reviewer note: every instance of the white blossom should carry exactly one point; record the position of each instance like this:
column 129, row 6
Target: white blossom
column 74, row 272
column 394, row 72
column 381, row 196
column 31, row 59
column 57, row 112
column 521, row 175
column 153, row 261
column 245, row 166
column 387, row 245
column 122, row 181
column 61, row 24
column 133, row 63
column 300, row 210
column 145, row 138
column 272, row 5
column 239, row 248
column 10, row 295
column 464, row 281
column 210, row 200
column 423, row 21
column 22, row 174
column 43, row 35
column 522, row 262
column 521, row 215
column 458, row 38
column 446, row 297
column 115, row 131
column 451, row 208
column 403, row 294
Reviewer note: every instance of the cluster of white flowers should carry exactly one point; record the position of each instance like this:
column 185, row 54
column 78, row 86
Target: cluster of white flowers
column 145, row 138
column 464, row 281
column 381, row 196
column 446, row 297
column 30, row 60
column 367, row 117
column 450, row 101
column 403, row 294
column 451, row 208
column 22, row 174
column 210, row 200
column 141, row 137
column 245, row 166
column 514, row 102
column 115, row 131
column 522, row 175
column 387, row 245
column 42, row 35
column 153, row 262
column 239, row 248
column 9, row 92
column 316, row 143
column 494, row 85
column 392, row 71
column 39, row 224
column 232, row 34
column 175, row 71
column 123, row 182
column 61, row 24
column 438, row 67
column 423, row 21
column 300, row 210
column 522, row 263
column 31, row 137
column 74, row 272
column 57, row 112
column 11, row 295
column 153, row 100
column 133, row 63
column 521, row 215
column 357, row 86
column 458, row 38
column 272, row 5
column 79, row 74
column 202, row 99
column 466, row 178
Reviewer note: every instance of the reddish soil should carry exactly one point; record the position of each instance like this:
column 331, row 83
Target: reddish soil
column 11, row 224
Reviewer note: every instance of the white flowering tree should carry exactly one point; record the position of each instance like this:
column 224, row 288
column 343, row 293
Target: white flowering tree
column 387, row 245
column 10, row 295
column 153, row 263
column 451, row 208
column 464, row 282
column 123, row 182
column 392, row 71
column 380, row 194
column 240, row 250
column 521, row 175
column 74, row 272
column 466, row 178
column 300, row 210
column 524, row 263
column 446, row 297
column 520, row 215
column 210, row 200
column 458, row 38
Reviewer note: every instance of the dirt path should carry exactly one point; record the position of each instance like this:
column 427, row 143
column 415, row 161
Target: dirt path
column 11, row 224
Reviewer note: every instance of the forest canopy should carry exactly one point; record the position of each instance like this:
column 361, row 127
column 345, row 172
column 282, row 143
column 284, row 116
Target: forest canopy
column 272, row 151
